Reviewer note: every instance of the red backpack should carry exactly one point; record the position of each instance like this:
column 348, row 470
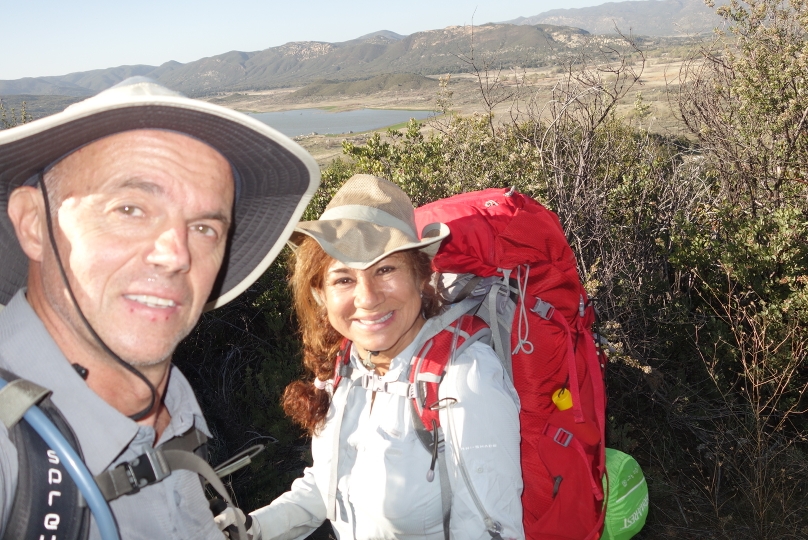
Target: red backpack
column 507, row 261
column 510, row 279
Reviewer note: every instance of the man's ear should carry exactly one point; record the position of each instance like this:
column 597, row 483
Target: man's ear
column 25, row 210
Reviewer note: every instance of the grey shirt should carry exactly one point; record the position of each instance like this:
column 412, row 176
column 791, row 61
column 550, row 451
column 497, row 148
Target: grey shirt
column 175, row 508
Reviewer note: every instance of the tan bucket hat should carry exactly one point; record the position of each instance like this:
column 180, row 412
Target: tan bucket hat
column 275, row 177
column 368, row 219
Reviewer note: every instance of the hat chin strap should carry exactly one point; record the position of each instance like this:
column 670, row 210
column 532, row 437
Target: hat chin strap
column 140, row 414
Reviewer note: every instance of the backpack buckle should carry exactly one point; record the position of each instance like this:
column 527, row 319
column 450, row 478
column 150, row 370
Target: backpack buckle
column 562, row 437
column 543, row 309
column 373, row 382
column 148, row 468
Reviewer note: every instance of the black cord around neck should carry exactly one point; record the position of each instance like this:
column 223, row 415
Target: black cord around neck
column 140, row 414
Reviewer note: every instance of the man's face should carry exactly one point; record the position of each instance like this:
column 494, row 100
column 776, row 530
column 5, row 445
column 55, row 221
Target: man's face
column 141, row 226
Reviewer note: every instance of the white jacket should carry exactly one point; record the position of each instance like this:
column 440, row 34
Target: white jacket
column 382, row 491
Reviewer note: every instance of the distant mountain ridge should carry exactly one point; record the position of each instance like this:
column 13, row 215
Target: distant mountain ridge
column 84, row 83
column 525, row 42
column 300, row 63
column 382, row 34
column 643, row 17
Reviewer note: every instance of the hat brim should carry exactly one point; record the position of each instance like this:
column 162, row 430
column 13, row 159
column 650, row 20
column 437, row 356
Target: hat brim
column 353, row 249
column 277, row 177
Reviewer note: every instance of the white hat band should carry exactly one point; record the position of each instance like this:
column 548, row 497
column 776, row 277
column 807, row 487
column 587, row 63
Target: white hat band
column 361, row 212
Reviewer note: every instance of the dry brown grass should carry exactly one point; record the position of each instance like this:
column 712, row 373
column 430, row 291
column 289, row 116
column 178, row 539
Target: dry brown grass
column 465, row 101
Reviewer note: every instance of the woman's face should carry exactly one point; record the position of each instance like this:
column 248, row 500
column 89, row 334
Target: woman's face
column 379, row 308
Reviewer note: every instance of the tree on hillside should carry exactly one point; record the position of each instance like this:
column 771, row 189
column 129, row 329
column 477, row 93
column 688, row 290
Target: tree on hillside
column 10, row 118
column 745, row 98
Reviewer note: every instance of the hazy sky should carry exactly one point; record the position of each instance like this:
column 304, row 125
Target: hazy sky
column 56, row 37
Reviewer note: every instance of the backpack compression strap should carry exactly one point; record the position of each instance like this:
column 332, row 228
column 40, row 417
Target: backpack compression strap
column 47, row 503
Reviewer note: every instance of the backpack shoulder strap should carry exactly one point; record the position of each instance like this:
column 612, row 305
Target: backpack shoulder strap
column 426, row 373
column 47, row 503
column 192, row 440
column 342, row 362
column 427, row 369
column 188, row 452
column 17, row 397
column 429, row 365
column 342, row 370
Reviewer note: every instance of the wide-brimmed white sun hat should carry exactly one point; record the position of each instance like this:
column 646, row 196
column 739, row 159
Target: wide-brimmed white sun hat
column 275, row 178
column 368, row 219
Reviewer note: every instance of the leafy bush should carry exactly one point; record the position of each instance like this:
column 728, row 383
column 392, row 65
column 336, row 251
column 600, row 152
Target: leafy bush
column 745, row 256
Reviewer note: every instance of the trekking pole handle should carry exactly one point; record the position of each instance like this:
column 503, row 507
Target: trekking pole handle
column 242, row 459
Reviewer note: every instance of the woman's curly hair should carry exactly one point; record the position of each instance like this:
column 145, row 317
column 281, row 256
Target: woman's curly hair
column 305, row 404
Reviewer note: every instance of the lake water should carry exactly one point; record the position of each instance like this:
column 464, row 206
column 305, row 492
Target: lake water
column 306, row 121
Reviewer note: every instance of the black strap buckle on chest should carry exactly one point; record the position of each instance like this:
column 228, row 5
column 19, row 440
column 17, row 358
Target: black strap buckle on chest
column 148, row 468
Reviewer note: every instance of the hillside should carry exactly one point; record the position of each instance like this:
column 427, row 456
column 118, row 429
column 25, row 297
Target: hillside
column 379, row 83
column 85, row 83
column 300, row 63
column 643, row 17
column 399, row 70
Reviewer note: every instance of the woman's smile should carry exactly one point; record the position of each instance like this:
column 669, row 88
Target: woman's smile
column 368, row 321
column 378, row 308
